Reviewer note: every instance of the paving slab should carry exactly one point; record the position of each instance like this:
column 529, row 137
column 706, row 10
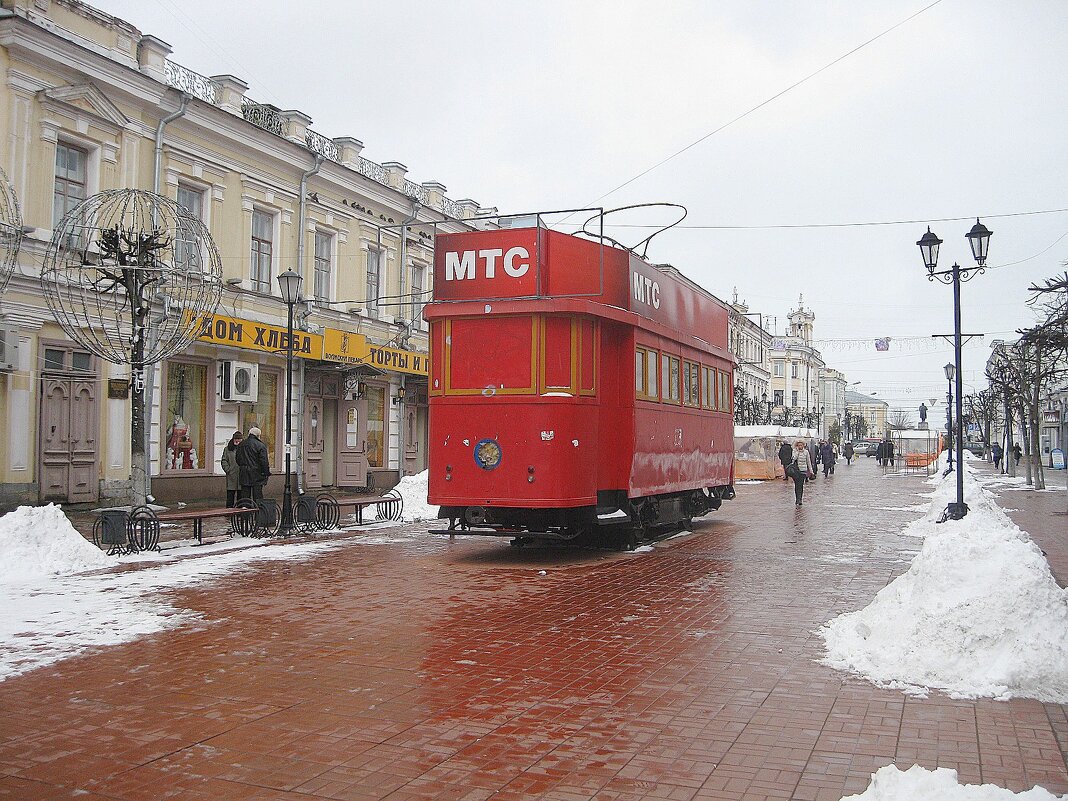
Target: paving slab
column 437, row 668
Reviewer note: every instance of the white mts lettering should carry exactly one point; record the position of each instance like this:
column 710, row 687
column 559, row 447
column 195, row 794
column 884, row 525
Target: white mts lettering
column 456, row 270
column 646, row 290
column 511, row 267
column 491, row 261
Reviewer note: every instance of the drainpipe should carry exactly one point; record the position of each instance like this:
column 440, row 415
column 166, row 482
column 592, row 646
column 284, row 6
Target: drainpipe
column 300, row 268
column 416, row 205
column 150, row 369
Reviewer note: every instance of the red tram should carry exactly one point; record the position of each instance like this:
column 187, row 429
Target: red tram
column 576, row 392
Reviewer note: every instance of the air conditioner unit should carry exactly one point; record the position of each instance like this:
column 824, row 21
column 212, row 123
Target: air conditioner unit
column 240, row 382
column 9, row 349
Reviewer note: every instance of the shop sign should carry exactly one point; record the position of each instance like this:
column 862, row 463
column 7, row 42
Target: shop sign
column 238, row 333
column 346, row 348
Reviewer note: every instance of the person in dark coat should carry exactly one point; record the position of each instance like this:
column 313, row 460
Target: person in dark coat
column 890, row 452
column 827, row 458
column 803, row 469
column 880, row 452
column 232, row 470
column 847, row 452
column 996, row 452
column 786, row 455
column 255, row 466
column 1017, row 452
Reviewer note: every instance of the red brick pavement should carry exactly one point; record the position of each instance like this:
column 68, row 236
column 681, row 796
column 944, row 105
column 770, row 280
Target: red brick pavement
column 439, row 669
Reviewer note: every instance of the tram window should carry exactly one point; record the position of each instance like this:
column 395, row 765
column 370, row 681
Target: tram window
column 491, row 354
column 708, row 387
column 669, row 383
column 724, row 391
column 645, row 372
column 691, row 384
column 587, row 357
column 556, row 353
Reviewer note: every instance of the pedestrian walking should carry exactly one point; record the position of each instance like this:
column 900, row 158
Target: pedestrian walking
column 255, row 466
column 880, row 452
column 827, row 458
column 786, row 455
column 890, row 451
column 1017, row 452
column 802, row 469
column 997, row 453
column 232, row 469
column 847, row 452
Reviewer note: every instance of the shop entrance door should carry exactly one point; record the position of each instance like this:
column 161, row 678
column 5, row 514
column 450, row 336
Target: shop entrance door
column 329, row 442
column 68, row 455
column 352, row 444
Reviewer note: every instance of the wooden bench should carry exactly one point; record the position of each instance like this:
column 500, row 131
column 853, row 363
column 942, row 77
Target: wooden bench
column 245, row 516
column 328, row 508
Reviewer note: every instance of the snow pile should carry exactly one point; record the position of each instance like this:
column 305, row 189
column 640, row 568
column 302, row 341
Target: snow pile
column 891, row 784
column 39, row 541
column 414, row 490
column 977, row 614
column 49, row 618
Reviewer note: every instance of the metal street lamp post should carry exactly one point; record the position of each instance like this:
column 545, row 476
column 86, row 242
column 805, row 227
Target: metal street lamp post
column 950, row 369
column 289, row 283
column 979, row 239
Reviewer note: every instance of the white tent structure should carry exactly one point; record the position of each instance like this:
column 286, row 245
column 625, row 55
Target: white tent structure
column 756, row 449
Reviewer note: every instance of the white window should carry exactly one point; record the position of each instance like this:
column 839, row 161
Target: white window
column 324, row 246
column 778, row 369
column 418, row 276
column 71, row 181
column 262, row 250
column 793, row 369
column 374, row 281
column 187, row 254
column 793, row 398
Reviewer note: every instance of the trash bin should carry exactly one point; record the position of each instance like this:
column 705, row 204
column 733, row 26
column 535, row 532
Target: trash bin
column 113, row 527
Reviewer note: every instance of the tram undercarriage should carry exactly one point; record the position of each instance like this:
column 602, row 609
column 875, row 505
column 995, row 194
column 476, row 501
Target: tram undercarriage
column 616, row 522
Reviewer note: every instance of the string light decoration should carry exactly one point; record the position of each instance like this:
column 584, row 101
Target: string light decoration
column 10, row 230
column 112, row 259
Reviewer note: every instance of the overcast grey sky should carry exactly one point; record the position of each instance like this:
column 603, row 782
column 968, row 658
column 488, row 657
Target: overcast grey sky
column 961, row 111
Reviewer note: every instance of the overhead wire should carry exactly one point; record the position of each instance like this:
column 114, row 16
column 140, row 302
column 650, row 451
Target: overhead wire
column 763, row 103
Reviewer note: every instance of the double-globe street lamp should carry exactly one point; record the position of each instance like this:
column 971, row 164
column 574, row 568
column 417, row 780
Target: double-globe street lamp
column 979, row 239
column 289, row 283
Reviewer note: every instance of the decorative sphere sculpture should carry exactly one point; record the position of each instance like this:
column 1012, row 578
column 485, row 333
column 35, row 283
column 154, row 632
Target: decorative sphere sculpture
column 118, row 254
column 10, row 230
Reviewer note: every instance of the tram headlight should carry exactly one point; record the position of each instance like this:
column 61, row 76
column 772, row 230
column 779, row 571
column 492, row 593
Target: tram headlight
column 487, row 454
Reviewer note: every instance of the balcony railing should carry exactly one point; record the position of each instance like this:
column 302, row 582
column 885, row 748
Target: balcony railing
column 194, row 83
column 317, row 143
column 265, row 116
column 269, row 118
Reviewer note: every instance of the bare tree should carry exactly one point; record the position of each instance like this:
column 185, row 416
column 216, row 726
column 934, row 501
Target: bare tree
column 899, row 420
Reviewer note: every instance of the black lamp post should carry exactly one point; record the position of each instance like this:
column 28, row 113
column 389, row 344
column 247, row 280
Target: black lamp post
column 289, row 283
column 950, row 370
column 766, row 405
column 979, row 239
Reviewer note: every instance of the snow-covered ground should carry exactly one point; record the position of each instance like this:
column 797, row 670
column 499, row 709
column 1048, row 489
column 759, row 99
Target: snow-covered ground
column 51, row 608
column 977, row 614
column 919, row 784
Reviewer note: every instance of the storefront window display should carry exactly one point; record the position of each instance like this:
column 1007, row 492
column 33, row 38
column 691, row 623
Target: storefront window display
column 264, row 413
column 186, row 417
column 376, row 426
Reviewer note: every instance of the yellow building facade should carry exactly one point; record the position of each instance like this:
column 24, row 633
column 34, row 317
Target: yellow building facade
column 89, row 103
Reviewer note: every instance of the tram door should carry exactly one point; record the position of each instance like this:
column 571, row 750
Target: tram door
column 352, row 444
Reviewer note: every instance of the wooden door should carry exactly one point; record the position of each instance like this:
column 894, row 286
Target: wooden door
column 329, row 436
column 84, row 486
column 313, row 443
column 54, row 468
column 352, row 444
column 68, row 457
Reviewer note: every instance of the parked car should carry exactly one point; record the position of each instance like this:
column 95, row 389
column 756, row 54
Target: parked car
column 977, row 448
column 864, row 448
